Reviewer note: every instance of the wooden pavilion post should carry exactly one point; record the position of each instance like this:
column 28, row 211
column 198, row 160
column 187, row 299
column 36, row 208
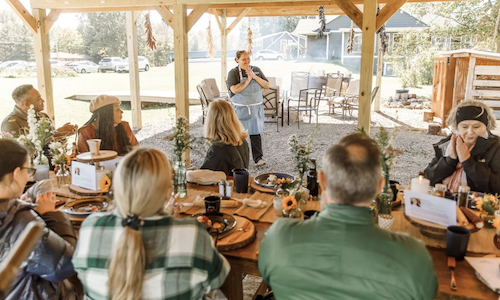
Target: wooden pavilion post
column 133, row 66
column 380, row 65
column 223, row 50
column 366, row 71
column 42, row 57
column 181, row 66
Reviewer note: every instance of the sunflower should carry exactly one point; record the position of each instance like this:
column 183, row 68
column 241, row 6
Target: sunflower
column 479, row 203
column 289, row 202
column 496, row 223
column 105, row 183
column 68, row 159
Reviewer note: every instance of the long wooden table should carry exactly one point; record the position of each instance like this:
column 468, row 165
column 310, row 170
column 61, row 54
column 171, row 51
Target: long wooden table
column 245, row 261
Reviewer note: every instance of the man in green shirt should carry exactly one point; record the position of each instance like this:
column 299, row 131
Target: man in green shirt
column 26, row 95
column 340, row 253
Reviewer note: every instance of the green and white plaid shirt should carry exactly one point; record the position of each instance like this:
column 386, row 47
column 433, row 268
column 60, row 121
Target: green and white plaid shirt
column 182, row 261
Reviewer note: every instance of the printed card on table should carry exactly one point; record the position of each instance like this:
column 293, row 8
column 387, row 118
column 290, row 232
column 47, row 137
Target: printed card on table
column 430, row 208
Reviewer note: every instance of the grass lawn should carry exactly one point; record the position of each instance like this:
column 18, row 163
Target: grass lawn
column 162, row 78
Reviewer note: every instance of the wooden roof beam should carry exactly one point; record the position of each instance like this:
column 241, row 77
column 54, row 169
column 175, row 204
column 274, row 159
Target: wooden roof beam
column 166, row 14
column 238, row 19
column 51, row 19
column 284, row 11
column 351, row 11
column 195, row 15
column 23, row 14
column 388, row 11
column 216, row 15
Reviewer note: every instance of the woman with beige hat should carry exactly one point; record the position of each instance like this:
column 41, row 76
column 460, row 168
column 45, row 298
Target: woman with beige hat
column 106, row 124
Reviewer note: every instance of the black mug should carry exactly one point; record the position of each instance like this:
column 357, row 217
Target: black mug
column 241, row 180
column 212, row 204
column 457, row 239
column 309, row 213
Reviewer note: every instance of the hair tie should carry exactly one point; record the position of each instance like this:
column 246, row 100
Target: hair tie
column 132, row 221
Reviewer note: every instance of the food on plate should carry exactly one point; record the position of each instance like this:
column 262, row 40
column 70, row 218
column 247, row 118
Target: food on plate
column 274, row 180
column 205, row 221
column 217, row 225
column 86, row 208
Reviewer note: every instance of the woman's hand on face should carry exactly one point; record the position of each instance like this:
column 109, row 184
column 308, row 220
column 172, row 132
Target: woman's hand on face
column 453, row 147
column 463, row 152
column 46, row 203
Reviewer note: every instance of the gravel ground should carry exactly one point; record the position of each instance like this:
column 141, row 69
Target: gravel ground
column 410, row 130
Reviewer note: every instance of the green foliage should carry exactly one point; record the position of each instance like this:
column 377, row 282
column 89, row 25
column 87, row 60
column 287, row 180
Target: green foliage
column 412, row 58
column 16, row 40
column 291, row 51
column 67, row 40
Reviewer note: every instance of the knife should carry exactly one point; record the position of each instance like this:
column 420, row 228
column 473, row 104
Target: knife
column 451, row 266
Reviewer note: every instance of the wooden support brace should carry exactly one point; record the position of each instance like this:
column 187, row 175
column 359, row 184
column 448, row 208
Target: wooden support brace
column 51, row 19
column 167, row 15
column 351, row 11
column 388, row 11
column 135, row 15
column 196, row 14
column 22, row 13
column 214, row 11
column 238, row 19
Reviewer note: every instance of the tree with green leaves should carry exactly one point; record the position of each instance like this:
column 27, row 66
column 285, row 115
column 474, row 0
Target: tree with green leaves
column 16, row 40
column 66, row 39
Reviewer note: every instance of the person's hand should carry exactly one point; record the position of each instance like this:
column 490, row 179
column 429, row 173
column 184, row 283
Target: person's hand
column 67, row 129
column 250, row 73
column 171, row 207
column 46, row 203
column 453, row 146
column 462, row 150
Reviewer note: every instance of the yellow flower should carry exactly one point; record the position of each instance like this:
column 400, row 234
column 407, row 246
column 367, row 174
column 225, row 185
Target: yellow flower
column 288, row 180
column 479, row 203
column 496, row 223
column 68, row 159
column 289, row 202
column 105, row 183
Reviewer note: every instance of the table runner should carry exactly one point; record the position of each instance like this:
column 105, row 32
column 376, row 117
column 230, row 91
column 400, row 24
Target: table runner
column 479, row 242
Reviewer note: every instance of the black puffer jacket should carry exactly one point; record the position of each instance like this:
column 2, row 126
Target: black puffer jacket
column 224, row 157
column 41, row 276
column 482, row 168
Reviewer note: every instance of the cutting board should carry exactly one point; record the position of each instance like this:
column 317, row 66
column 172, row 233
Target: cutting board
column 235, row 238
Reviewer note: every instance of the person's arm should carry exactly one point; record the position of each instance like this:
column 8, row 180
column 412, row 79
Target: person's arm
column 261, row 78
column 486, row 177
column 12, row 126
column 83, row 136
column 130, row 134
column 240, row 86
column 66, row 130
column 440, row 167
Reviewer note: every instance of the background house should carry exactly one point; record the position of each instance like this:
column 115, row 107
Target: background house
column 333, row 46
column 278, row 42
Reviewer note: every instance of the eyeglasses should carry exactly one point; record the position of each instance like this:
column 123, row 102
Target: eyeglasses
column 31, row 170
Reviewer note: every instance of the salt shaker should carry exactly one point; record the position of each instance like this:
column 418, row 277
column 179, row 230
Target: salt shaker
column 222, row 188
column 229, row 188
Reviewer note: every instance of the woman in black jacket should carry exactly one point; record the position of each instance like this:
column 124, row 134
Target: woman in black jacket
column 229, row 149
column 471, row 155
column 41, row 276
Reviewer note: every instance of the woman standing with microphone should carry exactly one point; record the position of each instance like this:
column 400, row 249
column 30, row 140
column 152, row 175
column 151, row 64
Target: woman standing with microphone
column 245, row 84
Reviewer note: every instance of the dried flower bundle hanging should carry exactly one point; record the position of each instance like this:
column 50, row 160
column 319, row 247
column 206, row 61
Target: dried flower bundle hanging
column 322, row 22
column 350, row 41
column 151, row 41
column 210, row 42
column 249, row 39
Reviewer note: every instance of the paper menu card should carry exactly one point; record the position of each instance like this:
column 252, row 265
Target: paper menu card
column 430, row 208
column 86, row 176
column 487, row 270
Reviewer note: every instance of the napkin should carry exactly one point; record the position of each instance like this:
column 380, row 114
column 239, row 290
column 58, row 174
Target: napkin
column 39, row 188
column 486, row 270
column 255, row 203
column 199, row 202
column 205, row 177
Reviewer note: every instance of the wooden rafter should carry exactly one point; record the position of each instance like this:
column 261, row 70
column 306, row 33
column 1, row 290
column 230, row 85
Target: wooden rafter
column 216, row 14
column 166, row 14
column 285, row 11
column 238, row 19
column 25, row 16
column 195, row 15
column 351, row 11
column 388, row 11
column 51, row 19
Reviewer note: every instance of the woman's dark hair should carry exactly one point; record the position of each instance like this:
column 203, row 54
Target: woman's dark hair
column 12, row 155
column 106, row 130
column 239, row 53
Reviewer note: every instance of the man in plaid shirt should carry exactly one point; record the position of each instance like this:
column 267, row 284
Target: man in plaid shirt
column 182, row 261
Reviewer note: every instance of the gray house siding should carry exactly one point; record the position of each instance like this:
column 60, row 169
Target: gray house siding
column 335, row 45
column 316, row 47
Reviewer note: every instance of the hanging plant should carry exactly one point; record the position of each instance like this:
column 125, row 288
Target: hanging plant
column 210, row 42
column 322, row 22
column 151, row 41
column 350, row 41
column 383, row 37
column 249, row 39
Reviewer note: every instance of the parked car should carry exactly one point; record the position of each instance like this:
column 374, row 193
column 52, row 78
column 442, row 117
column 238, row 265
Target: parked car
column 84, row 67
column 268, row 54
column 109, row 64
column 12, row 63
column 31, row 65
column 143, row 65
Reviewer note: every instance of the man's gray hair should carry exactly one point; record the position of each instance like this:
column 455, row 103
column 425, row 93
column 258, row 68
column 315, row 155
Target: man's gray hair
column 353, row 170
column 451, row 120
column 20, row 92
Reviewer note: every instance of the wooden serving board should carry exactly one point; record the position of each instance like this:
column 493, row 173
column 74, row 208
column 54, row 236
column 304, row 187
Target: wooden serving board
column 235, row 238
column 259, row 188
column 87, row 157
column 85, row 192
column 433, row 230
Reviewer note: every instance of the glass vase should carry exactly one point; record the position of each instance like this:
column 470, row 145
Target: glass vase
column 63, row 176
column 180, row 181
column 488, row 220
column 42, row 172
column 301, row 195
column 385, row 198
column 278, row 202
column 292, row 213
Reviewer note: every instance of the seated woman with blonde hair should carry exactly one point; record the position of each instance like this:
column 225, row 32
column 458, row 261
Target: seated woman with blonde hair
column 106, row 124
column 229, row 149
column 140, row 252
column 471, row 155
